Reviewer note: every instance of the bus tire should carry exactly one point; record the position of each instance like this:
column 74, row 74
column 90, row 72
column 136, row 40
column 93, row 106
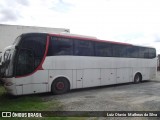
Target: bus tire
column 137, row 78
column 60, row 85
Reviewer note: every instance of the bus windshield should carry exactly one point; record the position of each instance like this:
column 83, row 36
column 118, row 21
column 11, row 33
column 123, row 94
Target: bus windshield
column 30, row 51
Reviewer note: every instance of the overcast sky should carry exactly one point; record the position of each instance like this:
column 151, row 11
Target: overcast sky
column 131, row 21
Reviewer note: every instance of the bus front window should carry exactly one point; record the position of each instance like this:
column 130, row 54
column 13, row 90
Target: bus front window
column 25, row 63
column 30, row 53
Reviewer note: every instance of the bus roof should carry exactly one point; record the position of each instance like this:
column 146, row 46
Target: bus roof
column 83, row 37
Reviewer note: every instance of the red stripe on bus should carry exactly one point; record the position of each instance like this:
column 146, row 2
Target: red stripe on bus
column 90, row 39
column 45, row 54
column 40, row 65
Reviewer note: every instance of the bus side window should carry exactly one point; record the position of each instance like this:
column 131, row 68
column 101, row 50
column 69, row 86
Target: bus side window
column 83, row 48
column 60, row 46
column 119, row 50
column 103, row 49
column 152, row 53
column 133, row 52
column 143, row 52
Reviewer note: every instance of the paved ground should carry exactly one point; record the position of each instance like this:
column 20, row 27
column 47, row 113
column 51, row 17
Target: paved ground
column 125, row 97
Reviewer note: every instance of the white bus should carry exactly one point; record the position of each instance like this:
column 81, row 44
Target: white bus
column 57, row 63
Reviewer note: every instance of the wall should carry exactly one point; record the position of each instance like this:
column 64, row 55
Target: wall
column 8, row 33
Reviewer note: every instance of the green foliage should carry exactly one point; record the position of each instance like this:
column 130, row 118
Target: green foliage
column 30, row 103
column 22, row 103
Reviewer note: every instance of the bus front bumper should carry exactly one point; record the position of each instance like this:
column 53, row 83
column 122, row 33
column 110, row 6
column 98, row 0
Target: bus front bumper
column 10, row 88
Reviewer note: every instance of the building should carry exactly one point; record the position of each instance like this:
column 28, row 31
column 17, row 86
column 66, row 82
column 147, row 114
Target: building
column 8, row 33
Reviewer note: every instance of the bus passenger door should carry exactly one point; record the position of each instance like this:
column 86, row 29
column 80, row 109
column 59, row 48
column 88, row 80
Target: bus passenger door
column 79, row 78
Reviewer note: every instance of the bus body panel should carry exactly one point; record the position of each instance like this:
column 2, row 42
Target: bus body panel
column 123, row 75
column 91, row 77
column 108, row 76
column 98, row 71
column 81, row 62
column 35, row 83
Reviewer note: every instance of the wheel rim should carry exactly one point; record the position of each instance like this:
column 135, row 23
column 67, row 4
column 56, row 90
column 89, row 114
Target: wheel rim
column 60, row 85
column 137, row 78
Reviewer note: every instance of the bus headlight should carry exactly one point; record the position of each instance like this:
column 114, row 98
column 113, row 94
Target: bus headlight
column 9, row 84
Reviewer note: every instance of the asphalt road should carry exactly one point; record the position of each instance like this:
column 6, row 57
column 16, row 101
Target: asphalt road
column 144, row 96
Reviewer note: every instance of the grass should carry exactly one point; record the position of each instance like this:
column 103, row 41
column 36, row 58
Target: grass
column 30, row 103
column 22, row 103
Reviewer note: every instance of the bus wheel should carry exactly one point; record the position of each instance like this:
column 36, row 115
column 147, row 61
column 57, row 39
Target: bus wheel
column 137, row 78
column 60, row 86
